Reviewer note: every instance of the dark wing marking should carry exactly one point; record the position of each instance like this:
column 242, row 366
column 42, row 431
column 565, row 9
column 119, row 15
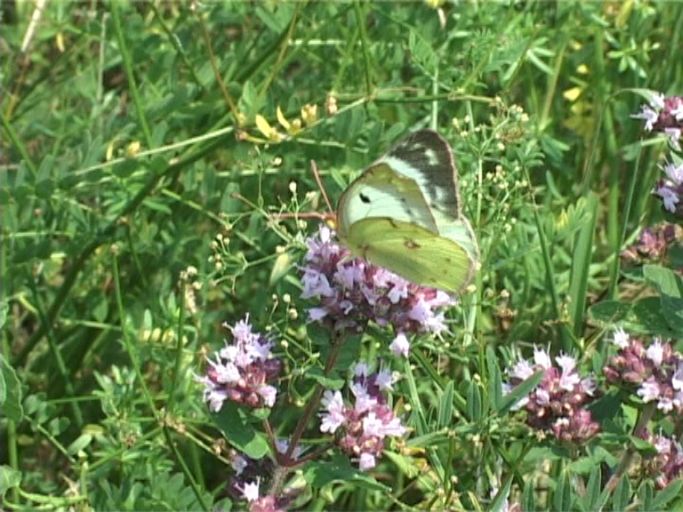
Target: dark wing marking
column 429, row 153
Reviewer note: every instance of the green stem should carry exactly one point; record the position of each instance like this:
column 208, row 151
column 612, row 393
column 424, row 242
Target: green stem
column 128, row 67
column 630, row 200
column 12, row 452
column 281, row 471
column 179, row 348
column 644, row 417
column 127, row 342
column 364, row 47
column 547, row 261
column 179, row 459
column 57, row 354
column 173, row 39
column 19, row 145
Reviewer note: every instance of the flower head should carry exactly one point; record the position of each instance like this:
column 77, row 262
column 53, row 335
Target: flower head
column 654, row 372
column 653, row 244
column 242, row 371
column 667, row 464
column 557, row 404
column 662, row 113
column 362, row 426
column 352, row 292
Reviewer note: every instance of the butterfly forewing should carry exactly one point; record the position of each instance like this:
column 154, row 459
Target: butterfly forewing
column 381, row 192
column 426, row 158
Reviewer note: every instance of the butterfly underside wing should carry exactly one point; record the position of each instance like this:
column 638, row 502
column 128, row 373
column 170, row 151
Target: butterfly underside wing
column 403, row 213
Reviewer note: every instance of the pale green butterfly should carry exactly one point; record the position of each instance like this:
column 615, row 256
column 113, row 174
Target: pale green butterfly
column 403, row 213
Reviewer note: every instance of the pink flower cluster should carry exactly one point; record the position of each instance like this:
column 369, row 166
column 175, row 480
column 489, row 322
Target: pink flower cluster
column 665, row 115
column 267, row 503
column 653, row 244
column 667, row 464
column 352, row 292
column 249, row 476
column 670, row 188
column 364, row 425
column 242, row 371
column 557, row 404
column 656, row 371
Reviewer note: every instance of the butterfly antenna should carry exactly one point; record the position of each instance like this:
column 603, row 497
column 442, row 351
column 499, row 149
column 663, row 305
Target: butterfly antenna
column 316, row 175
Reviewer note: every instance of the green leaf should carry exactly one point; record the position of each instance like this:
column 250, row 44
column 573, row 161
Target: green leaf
column 643, row 446
column 405, row 464
column 4, row 308
column 622, row 494
column 445, row 413
column 670, row 287
column 281, row 266
column 495, row 380
column 518, row 392
column 327, row 381
column 422, row 52
column 233, row 421
column 646, row 494
column 582, row 254
column 562, row 497
column 9, row 478
column 593, row 488
column 79, row 444
column 500, row 501
column 319, row 474
column 10, row 392
column 474, row 405
column 528, row 500
column 650, row 318
column 670, row 492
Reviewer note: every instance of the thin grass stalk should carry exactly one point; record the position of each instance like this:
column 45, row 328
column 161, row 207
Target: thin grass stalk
column 57, row 354
column 626, row 215
column 19, row 145
column 128, row 68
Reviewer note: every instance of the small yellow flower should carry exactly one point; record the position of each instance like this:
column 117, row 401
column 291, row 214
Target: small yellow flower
column 109, row 154
column 309, row 113
column 331, row 104
column 292, row 128
column 268, row 131
column 133, row 148
column 282, row 119
column 572, row 94
column 59, row 39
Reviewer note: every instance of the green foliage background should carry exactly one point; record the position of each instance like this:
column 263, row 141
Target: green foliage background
column 130, row 142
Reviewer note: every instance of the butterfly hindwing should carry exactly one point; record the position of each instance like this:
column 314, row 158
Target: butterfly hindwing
column 412, row 252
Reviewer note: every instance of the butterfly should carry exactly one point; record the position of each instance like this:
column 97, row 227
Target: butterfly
column 403, row 213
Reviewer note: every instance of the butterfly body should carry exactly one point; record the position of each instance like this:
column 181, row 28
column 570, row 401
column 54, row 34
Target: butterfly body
column 403, row 213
